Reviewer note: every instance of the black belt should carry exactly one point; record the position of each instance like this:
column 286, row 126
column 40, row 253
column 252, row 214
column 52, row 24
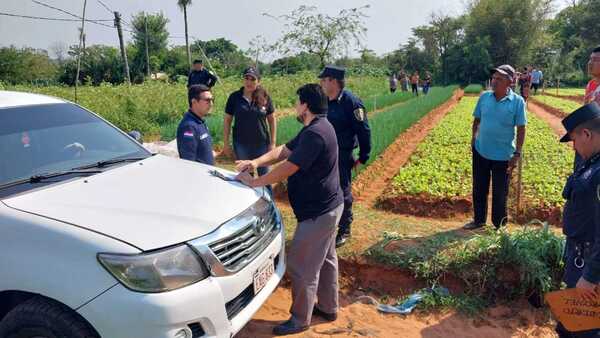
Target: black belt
column 581, row 248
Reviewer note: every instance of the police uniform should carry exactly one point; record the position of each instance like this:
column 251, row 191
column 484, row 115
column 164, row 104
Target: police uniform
column 203, row 77
column 581, row 217
column 194, row 142
column 348, row 116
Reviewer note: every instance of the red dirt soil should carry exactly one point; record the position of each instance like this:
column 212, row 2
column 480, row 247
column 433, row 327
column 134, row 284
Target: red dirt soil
column 356, row 319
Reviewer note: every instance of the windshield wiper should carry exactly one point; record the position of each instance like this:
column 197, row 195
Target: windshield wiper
column 38, row 178
column 106, row 163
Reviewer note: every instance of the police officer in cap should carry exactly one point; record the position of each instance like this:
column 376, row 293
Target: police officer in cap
column 199, row 75
column 349, row 119
column 581, row 215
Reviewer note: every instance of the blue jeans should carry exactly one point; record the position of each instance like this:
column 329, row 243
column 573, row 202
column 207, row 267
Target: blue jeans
column 250, row 152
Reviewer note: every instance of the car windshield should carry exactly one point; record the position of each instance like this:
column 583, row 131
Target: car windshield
column 41, row 139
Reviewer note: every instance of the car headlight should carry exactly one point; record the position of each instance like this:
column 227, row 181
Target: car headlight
column 158, row 271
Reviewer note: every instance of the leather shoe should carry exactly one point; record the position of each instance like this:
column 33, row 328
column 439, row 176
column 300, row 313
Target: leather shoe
column 473, row 225
column 330, row 317
column 341, row 239
column 288, row 327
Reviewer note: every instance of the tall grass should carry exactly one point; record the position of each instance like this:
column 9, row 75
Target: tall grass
column 492, row 266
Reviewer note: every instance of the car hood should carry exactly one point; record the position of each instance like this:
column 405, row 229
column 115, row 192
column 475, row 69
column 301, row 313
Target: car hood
column 149, row 204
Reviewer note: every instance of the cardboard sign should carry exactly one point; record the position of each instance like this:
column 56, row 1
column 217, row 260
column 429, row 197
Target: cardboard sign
column 574, row 312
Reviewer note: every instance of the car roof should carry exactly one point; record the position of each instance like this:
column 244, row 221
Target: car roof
column 14, row 99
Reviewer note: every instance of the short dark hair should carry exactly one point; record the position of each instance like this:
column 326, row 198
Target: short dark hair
column 194, row 92
column 313, row 96
column 592, row 125
column 596, row 50
column 196, row 61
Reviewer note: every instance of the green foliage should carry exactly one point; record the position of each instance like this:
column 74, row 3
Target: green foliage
column 26, row 65
column 99, row 64
column 564, row 105
column 388, row 124
column 496, row 265
column 156, row 108
column 441, row 165
column 473, row 89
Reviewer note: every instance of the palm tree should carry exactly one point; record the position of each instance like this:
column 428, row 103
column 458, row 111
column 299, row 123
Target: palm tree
column 183, row 4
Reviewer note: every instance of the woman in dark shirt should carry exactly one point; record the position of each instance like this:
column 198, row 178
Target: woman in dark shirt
column 254, row 126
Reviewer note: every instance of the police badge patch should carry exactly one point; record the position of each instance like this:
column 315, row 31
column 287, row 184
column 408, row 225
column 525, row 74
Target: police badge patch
column 359, row 113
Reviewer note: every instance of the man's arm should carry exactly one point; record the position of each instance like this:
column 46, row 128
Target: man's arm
column 276, row 155
column 212, row 79
column 278, row 174
column 360, row 124
column 187, row 145
column 520, row 138
column 476, row 122
column 272, row 131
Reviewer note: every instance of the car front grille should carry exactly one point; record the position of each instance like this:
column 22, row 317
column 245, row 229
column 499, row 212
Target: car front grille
column 239, row 249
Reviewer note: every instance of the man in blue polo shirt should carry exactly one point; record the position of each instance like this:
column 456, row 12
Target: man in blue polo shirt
column 310, row 162
column 497, row 114
column 194, row 142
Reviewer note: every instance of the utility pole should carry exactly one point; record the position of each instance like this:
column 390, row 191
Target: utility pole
column 122, row 45
column 146, row 36
column 79, row 49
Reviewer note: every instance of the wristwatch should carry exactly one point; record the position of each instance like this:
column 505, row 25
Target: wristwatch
column 517, row 154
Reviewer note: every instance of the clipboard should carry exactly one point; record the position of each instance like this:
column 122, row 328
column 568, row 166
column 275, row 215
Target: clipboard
column 573, row 311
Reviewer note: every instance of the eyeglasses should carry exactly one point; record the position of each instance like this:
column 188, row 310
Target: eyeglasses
column 209, row 100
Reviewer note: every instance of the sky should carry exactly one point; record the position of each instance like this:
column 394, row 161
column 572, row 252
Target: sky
column 389, row 23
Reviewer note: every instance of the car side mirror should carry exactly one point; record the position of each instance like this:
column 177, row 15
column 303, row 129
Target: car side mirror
column 136, row 135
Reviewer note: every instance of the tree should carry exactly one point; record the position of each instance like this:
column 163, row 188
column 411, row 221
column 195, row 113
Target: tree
column 99, row 64
column 323, row 35
column 224, row 54
column 513, row 26
column 183, row 4
column 26, row 65
column 157, row 35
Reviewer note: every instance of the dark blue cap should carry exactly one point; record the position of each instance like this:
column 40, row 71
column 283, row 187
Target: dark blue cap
column 251, row 71
column 586, row 113
column 334, row 72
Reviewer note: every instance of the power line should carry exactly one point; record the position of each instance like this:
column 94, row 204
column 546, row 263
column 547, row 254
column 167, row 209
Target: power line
column 105, row 6
column 39, row 17
column 98, row 22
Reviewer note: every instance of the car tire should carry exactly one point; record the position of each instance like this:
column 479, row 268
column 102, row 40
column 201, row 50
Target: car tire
column 41, row 317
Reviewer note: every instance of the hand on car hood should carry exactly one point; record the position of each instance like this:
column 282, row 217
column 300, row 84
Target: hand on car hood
column 150, row 204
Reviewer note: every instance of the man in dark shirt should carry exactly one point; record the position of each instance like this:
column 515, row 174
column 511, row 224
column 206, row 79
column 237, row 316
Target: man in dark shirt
column 199, row 75
column 348, row 116
column 310, row 162
column 194, row 142
column 581, row 214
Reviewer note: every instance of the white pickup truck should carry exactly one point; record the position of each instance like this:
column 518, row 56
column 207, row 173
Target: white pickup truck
column 100, row 238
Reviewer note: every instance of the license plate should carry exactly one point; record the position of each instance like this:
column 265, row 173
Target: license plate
column 262, row 276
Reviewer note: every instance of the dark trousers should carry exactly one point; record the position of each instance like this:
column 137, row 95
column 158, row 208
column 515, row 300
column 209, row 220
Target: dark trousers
column 250, row 152
column 482, row 170
column 415, row 89
column 346, row 162
column 571, row 276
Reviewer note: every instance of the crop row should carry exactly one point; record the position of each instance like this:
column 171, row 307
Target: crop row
column 564, row 106
column 441, row 165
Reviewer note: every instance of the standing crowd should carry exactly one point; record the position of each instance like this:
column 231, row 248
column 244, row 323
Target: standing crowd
column 318, row 165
